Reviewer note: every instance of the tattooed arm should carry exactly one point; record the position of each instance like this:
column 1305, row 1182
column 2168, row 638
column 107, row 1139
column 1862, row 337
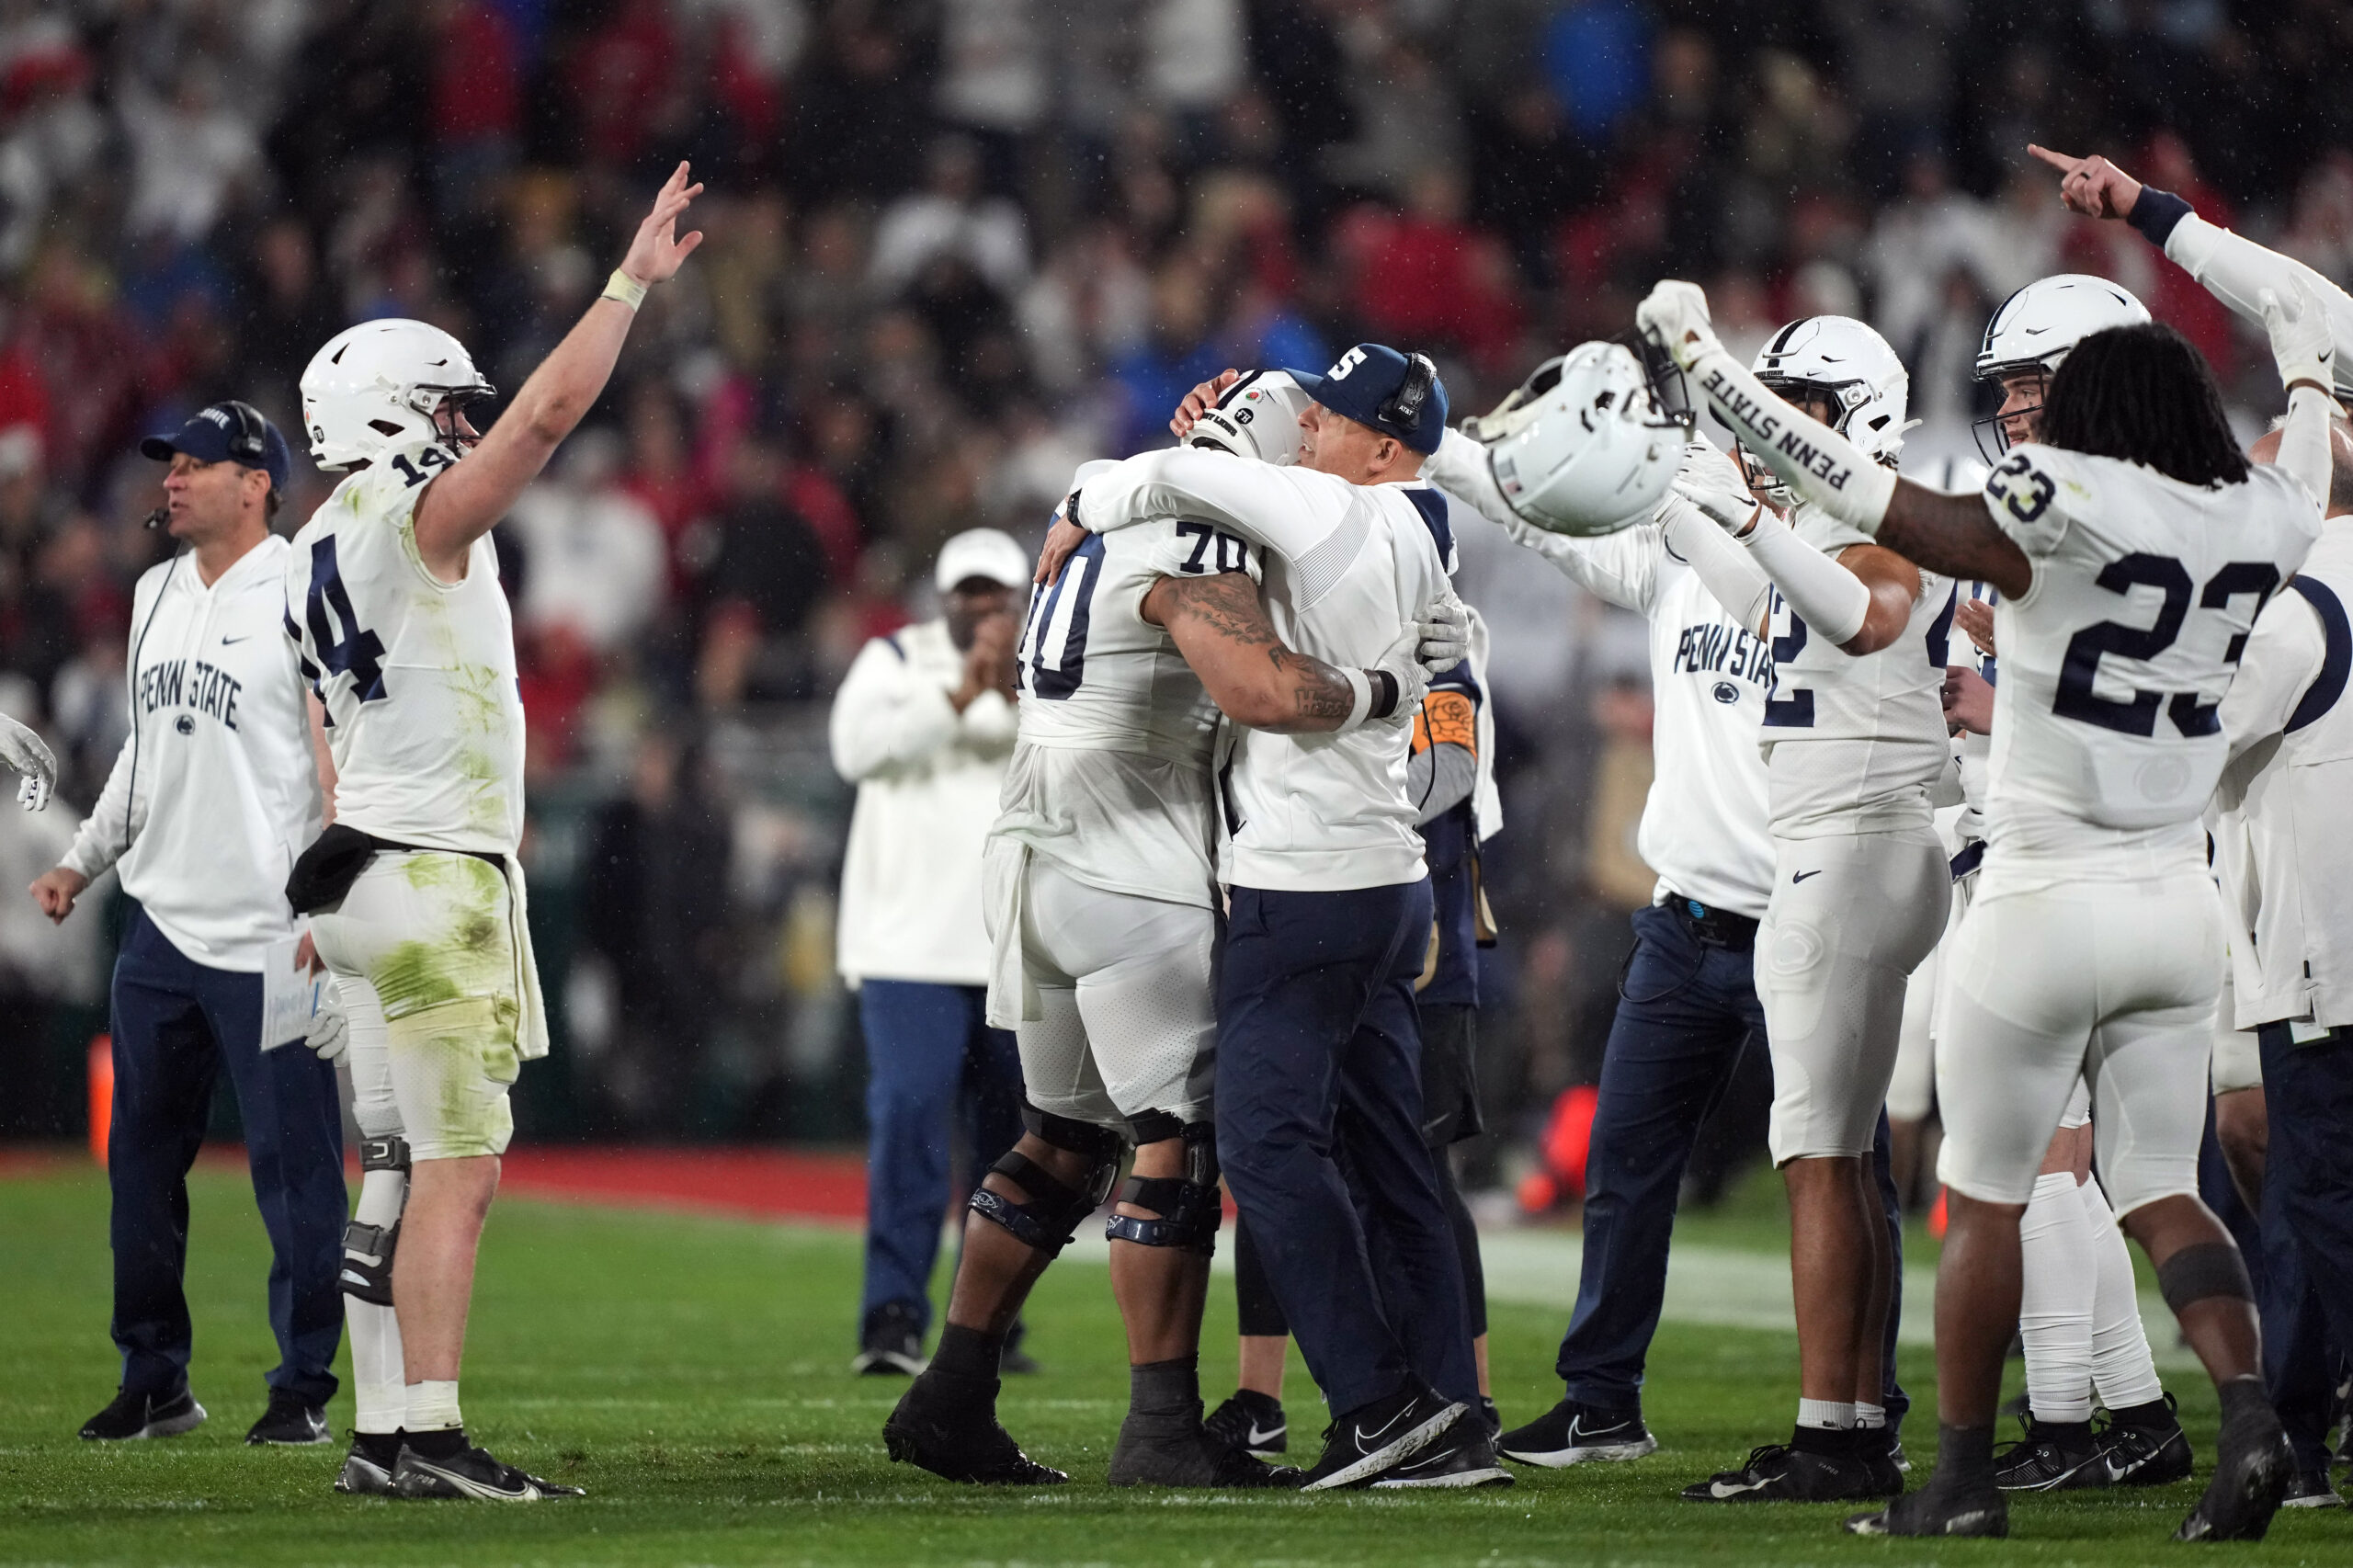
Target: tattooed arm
column 1223, row 630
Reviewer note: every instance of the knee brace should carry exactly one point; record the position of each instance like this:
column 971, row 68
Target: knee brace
column 367, row 1271
column 1052, row 1213
column 1189, row 1209
column 2206, row 1270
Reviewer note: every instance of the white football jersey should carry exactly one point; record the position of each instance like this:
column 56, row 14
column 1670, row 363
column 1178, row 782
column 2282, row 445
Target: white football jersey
column 424, row 717
column 1852, row 744
column 1111, row 773
column 2106, row 738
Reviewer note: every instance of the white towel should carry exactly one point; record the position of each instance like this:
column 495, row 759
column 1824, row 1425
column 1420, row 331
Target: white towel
column 1005, row 879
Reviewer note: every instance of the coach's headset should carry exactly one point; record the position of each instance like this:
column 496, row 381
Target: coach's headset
column 248, row 446
column 1402, row 410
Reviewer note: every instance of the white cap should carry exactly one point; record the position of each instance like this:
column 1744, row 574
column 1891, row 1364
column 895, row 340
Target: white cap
column 982, row 552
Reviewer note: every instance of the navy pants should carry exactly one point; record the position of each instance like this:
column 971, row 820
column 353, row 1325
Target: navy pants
column 1687, row 1011
column 177, row 1024
column 1319, row 1110
column 932, row 1063
column 2306, row 1289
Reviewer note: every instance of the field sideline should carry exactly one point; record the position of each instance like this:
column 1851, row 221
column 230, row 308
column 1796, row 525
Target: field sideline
column 691, row 1372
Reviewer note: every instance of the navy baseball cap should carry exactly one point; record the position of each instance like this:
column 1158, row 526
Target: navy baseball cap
column 228, row 432
column 1395, row 393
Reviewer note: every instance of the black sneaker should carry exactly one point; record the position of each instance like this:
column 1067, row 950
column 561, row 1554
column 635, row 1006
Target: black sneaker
column 1378, row 1437
column 143, row 1416
column 2310, row 1489
column 292, row 1421
column 1492, row 1416
column 947, row 1424
column 367, row 1467
column 1931, row 1511
column 1570, row 1433
column 2053, row 1457
column 1464, row 1456
column 2252, row 1474
column 1783, row 1472
column 1252, row 1422
column 1175, row 1448
column 2145, row 1453
column 471, row 1474
column 892, row 1344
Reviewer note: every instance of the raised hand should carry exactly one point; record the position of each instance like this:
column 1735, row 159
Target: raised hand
column 654, row 254
column 1975, row 619
column 2093, row 186
column 2303, row 342
column 1676, row 318
column 1204, row 396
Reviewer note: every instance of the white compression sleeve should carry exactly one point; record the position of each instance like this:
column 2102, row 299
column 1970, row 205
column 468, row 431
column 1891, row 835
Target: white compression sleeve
column 378, row 1376
column 1819, row 463
column 2303, row 441
column 2055, row 1300
column 1729, row 572
column 2123, row 1370
column 1826, row 596
column 2237, row 271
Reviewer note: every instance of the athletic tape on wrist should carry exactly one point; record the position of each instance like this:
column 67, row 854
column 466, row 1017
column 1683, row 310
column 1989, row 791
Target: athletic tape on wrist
column 1819, row 463
column 1360, row 698
column 622, row 287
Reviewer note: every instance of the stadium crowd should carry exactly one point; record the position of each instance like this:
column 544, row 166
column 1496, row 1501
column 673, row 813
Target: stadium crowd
column 955, row 247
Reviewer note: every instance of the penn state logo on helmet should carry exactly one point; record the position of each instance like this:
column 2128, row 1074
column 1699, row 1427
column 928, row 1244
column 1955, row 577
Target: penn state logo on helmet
column 1258, row 417
column 1586, row 445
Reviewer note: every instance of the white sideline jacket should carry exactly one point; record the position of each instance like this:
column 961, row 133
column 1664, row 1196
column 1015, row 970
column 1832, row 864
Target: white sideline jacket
column 226, row 792
column 928, row 779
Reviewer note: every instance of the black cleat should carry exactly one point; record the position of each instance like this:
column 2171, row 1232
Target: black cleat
column 1464, row 1456
column 1377, row 1438
column 134, row 1416
column 2144, row 1454
column 1783, row 1472
column 1252, row 1422
column 473, row 1475
column 1882, row 1455
column 891, row 1345
column 1930, row 1512
column 1492, row 1416
column 2053, row 1457
column 2252, row 1475
column 947, row 1424
column 1175, row 1448
column 1570, row 1433
column 2310, row 1489
column 291, row 1421
column 367, row 1467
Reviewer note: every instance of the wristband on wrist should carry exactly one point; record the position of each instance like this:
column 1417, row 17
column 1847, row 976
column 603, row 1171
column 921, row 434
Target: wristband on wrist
column 2155, row 213
column 1361, row 698
column 622, row 287
column 1384, row 694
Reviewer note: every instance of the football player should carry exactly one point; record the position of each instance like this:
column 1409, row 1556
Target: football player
column 2132, row 548
column 393, row 601
column 1854, row 739
column 1102, row 905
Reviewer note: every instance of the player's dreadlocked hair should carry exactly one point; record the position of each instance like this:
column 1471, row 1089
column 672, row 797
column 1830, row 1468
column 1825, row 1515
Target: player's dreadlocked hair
column 2144, row 394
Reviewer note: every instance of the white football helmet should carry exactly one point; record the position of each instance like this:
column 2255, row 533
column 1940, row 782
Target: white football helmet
column 1841, row 361
column 1586, row 445
column 2037, row 326
column 1258, row 417
column 381, row 384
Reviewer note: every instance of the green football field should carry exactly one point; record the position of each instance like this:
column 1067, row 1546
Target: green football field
column 691, row 1373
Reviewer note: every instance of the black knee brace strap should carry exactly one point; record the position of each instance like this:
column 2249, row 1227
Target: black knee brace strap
column 366, row 1274
column 1052, row 1213
column 1189, row 1207
column 1100, row 1145
column 2206, row 1269
column 384, row 1154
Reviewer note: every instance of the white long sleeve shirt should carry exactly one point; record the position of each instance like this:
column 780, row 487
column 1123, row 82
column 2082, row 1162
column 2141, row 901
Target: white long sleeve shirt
column 1704, row 825
column 928, row 780
column 1346, row 566
column 215, row 792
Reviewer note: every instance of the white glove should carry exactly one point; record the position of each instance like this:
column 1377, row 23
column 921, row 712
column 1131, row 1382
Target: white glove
column 1734, row 511
column 2303, row 344
column 1674, row 317
column 1445, row 636
column 330, row 1028
column 30, row 756
column 1402, row 661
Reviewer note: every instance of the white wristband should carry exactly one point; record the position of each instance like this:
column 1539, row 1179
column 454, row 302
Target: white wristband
column 1824, row 594
column 1819, row 463
column 1360, row 698
column 621, row 286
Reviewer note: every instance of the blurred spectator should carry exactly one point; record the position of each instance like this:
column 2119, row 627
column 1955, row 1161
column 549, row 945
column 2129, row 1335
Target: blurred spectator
column 594, row 550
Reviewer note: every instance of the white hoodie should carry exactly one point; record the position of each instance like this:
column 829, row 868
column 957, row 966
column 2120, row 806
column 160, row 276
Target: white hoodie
column 215, row 792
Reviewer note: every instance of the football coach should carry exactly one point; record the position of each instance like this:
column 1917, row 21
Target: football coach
column 214, row 793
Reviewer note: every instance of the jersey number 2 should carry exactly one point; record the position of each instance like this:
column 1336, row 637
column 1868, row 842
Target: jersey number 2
column 357, row 651
column 2138, row 715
